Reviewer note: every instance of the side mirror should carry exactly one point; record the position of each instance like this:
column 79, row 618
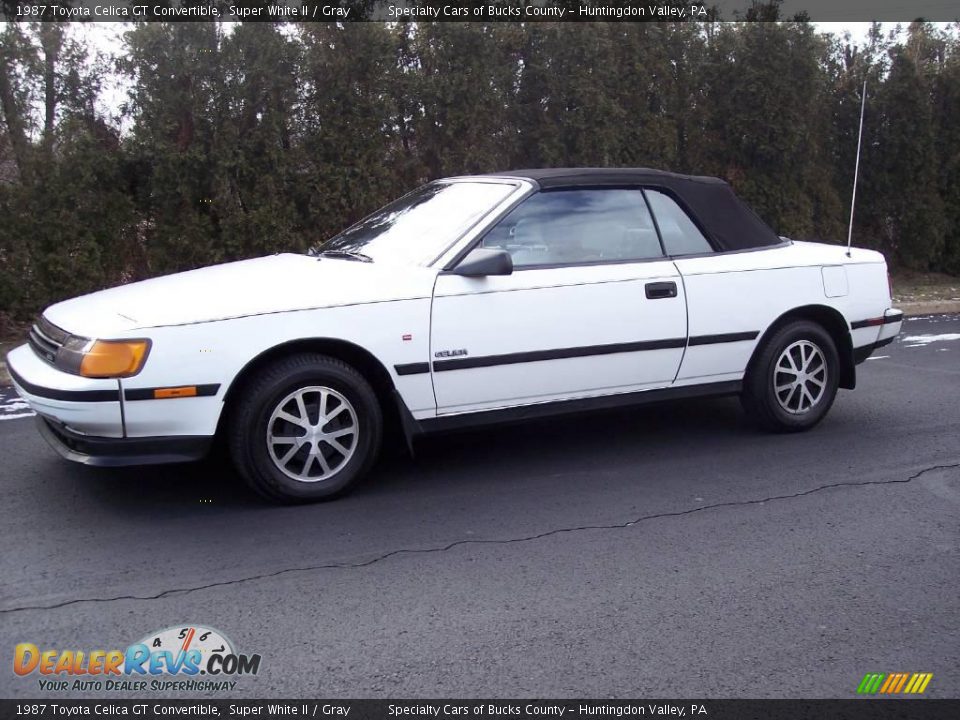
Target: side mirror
column 480, row 262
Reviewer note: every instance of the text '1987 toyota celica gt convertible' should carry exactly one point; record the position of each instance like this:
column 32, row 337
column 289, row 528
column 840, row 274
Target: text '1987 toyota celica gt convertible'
column 470, row 300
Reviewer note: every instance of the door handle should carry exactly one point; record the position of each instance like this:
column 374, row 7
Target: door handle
column 660, row 290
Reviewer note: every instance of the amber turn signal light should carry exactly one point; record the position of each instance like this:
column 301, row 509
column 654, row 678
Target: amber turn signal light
column 114, row 358
column 175, row 392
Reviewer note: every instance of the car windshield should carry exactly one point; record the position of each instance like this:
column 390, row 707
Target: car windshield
column 418, row 227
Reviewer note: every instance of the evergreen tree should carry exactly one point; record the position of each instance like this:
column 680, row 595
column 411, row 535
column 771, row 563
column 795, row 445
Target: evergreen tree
column 946, row 112
column 177, row 78
column 350, row 161
column 910, row 207
column 251, row 138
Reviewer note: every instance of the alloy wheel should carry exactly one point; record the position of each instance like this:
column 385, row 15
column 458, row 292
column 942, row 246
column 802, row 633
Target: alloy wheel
column 312, row 433
column 800, row 377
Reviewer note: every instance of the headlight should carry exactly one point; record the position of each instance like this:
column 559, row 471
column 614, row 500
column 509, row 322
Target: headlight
column 102, row 358
column 114, row 358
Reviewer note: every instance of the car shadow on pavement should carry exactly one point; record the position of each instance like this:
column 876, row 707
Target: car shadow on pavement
column 474, row 459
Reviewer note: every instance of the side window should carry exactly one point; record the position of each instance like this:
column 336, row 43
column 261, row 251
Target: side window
column 680, row 235
column 567, row 227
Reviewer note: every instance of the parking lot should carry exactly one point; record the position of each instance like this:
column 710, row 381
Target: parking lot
column 662, row 551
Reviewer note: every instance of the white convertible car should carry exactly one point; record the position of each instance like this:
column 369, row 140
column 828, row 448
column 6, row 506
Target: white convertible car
column 470, row 300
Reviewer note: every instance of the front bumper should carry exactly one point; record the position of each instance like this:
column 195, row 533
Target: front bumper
column 83, row 418
column 85, row 405
column 118, row 452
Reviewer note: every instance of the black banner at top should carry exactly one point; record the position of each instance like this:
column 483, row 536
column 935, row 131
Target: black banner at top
column 478, row 10
column 475, row 709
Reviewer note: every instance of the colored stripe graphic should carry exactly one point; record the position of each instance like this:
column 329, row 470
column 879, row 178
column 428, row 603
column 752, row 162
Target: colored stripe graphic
column 870, row 683
column 903, row 679
column 890, row 682
column 894, row 683
column 918, row 683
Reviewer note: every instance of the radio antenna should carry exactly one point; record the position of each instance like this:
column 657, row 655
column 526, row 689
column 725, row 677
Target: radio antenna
column 856, row 168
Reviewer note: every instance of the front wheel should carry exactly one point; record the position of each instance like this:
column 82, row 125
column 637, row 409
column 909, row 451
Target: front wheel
column 305, row 428
column 793, row 381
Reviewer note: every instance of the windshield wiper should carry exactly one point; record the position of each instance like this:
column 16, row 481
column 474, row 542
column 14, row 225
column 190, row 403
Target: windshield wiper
column 346, row 255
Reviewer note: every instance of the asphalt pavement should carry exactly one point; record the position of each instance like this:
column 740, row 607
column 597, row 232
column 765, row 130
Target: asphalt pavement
column 665, row 551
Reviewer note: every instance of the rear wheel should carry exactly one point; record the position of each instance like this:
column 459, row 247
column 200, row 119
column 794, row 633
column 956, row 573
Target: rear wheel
column 793, row 381
column 307, row 428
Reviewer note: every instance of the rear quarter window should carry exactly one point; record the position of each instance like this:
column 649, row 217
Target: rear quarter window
column 681, row 236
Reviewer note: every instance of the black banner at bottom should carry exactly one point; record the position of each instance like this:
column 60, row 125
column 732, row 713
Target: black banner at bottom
column 914, row 709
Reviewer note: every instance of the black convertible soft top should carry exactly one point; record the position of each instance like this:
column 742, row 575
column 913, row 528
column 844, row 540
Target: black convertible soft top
column 726, row 220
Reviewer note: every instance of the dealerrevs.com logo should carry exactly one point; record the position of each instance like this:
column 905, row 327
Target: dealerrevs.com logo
column 180, row 658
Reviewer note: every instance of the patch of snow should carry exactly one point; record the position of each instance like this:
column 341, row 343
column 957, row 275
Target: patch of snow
column 946, row 317
column 16, row 416
column 920, row 340
column 878, row 357
column 14, row 407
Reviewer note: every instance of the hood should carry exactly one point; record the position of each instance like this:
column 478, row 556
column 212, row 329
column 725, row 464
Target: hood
column 276, row 283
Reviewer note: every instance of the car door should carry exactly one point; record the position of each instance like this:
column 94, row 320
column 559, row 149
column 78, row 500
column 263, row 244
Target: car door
column 728, row 294
column 592, row 307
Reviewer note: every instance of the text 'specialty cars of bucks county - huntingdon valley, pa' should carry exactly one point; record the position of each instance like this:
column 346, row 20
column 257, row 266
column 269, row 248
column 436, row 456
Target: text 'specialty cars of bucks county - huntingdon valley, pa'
column 470, row 300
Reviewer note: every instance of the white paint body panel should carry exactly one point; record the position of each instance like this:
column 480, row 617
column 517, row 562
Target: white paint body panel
column 835, row 281
column 550, row 309
column 216, row 352
column 271, row 284
column 749, row 291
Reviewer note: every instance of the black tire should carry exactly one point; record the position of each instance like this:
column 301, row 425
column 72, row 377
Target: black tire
column 262, row 395
column 759, row 396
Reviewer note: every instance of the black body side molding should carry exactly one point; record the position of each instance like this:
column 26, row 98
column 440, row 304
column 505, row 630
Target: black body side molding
column 466, row 363
column 412, row 368
column 874, row 322
column 722, row 338
column 65, row 395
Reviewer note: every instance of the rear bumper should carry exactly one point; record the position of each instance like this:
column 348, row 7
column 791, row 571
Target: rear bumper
column 862, row 353
column 892, row 322
column 118, row 452
column 889, row 325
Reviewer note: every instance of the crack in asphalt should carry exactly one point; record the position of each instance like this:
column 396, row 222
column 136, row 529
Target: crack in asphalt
column 459, row 543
